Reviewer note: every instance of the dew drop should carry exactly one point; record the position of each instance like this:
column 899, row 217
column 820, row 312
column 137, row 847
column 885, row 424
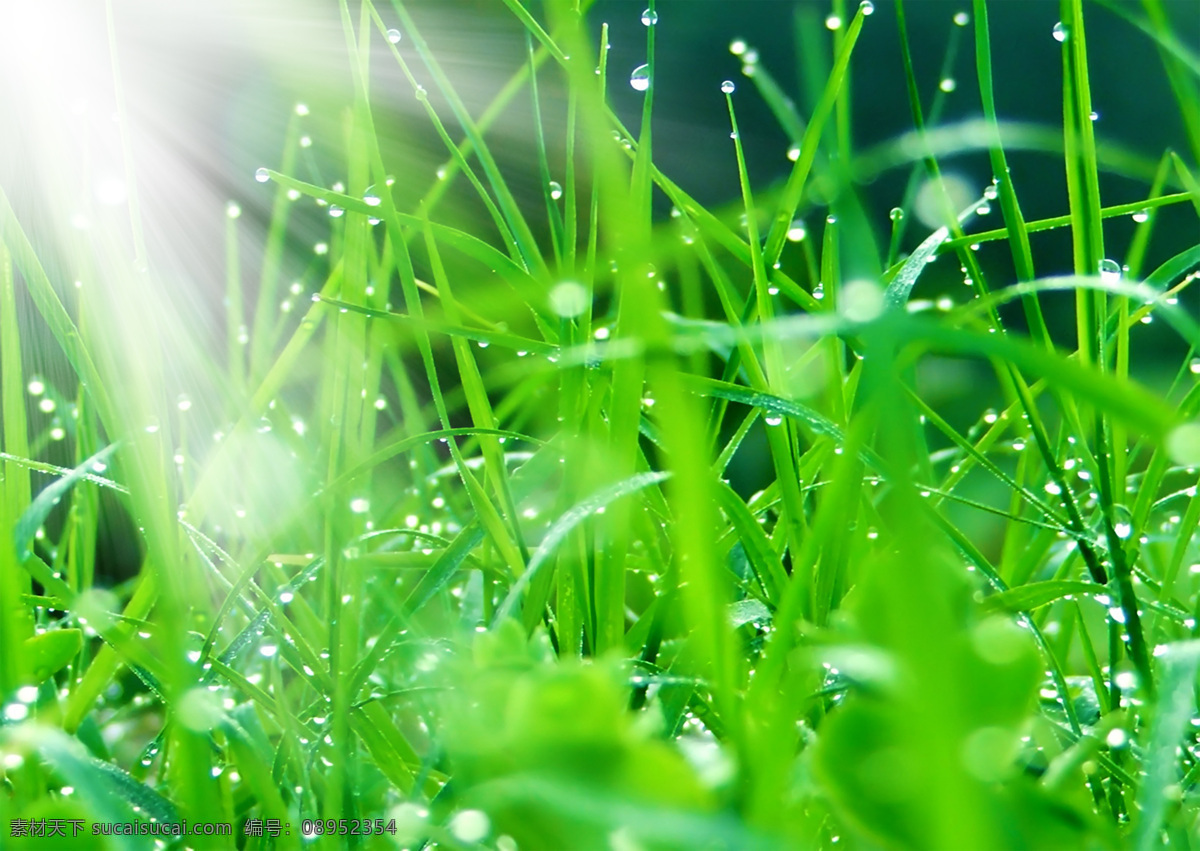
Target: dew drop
column 896, row 214
column 640, row 78
column 569, row 299
column 738, row 46
column 556, row 190
column 649, row 18
column 370, row 198
column 233, row 210
column 833, row 22
column 335, row 211
column 1141, row 216
column 262, row 175
column 773, row 419
column 727, row 87
column 861, row 301
column 1059, row 31
column 797, row 232
column 1110, row 270
column 393, row 35
column 961, row 19
column 866, row 7
column 948, row 84
column 793, row 153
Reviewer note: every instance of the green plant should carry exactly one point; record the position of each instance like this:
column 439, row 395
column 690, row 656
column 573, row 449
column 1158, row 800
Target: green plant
column 468, row 561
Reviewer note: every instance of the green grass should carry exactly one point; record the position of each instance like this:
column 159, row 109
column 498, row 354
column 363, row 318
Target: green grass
column 465, row 564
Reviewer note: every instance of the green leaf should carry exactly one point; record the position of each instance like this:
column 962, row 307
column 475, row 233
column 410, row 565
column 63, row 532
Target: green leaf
column 46, row 654
column 1025, row 598
column 34, row 516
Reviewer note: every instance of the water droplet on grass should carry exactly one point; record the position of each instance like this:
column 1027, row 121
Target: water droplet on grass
column 1110, row 270
column 1183, row 444
column 556, row 190
column 1141, row 216
column 649, row 18
column 861, row 301
column 961, row 19
column 727, row 87
column 896, row 214
column 833, row 22
column 394, row 36
column 1059, row 32
column 866, row 7
column 948, row 84
column 793, row 153
column 738, row 46
column 262, row 175
column 569, row 299
column 640, row 78
column 233, row 210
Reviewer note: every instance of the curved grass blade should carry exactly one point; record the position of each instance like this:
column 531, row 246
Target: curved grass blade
column 564, row 524
column 32, row 519
column 1025, row 598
